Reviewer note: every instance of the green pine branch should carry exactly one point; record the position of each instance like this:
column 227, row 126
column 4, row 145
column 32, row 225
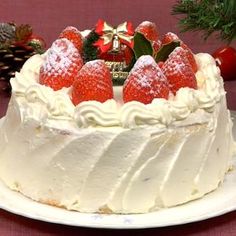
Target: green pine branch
column 208, row 16
column 90, row 52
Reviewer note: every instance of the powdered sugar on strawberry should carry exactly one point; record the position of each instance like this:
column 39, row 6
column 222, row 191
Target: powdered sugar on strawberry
column 169, row 37
column 61, row 66
column 145, row 82
column 149, row 30
column 60, row 56
column 74, row 35
column 141, row 65
column 178, row 71
column 93, row 82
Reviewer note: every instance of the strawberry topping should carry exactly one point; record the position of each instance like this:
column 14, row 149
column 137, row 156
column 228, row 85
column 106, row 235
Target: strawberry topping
column 178, row 71
column 190, row 57
column 149, row 30
column 156, row 45
column 145, row 82
column 74, row 35
column 62, row 64
column 160, row 64
column 170, row 37
column 93, row 82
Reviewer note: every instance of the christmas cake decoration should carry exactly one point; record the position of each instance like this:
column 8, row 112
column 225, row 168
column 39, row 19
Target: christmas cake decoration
column 17, row 44
column 147, row 66
column 114, row 45
column 121, row 46
column 123, row 33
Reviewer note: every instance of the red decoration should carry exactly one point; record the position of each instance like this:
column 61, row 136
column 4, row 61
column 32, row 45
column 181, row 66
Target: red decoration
column 226, row 60
column 124, row 32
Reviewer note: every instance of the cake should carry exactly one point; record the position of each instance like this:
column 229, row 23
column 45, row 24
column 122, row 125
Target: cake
column 126, row 149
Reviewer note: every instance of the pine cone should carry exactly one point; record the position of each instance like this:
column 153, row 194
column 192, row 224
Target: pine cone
column 7, row 32
column 16, row 46
column 12, row 59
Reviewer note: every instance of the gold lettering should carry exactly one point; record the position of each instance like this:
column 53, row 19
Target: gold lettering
column 116, row 69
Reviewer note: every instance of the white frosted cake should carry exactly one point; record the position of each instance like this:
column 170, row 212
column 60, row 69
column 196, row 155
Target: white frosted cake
column 120, row 155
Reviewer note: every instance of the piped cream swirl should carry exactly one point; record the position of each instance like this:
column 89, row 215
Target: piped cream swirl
column 97, row 114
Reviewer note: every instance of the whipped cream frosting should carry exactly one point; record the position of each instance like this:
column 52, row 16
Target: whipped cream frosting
column 57, row 105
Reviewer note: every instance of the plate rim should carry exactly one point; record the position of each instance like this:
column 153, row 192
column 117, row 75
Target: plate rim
column 106, row 221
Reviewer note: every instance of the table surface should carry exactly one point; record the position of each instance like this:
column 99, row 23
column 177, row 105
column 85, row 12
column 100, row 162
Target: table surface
column 12, row 225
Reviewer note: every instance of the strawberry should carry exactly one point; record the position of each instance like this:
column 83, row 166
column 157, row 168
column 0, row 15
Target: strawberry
column 148, row 29
column 170, row 37
column 145, row 82
column 178, row 71
column 160, row 64
column 61, row 66
column 156, row 45
column 93, row 82
column 74, row 35
column 190, row 57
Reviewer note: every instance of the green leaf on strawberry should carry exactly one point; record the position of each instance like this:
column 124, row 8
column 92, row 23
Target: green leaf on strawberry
column 165, row 50
column 142, row 46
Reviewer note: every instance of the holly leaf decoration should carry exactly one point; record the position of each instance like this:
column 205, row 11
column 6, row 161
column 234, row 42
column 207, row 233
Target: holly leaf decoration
column 165, row 50
column 142, row 46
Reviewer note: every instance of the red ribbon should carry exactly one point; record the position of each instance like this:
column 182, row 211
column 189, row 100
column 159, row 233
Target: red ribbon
column 106, row 32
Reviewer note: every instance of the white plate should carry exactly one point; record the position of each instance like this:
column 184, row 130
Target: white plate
column 217, row 203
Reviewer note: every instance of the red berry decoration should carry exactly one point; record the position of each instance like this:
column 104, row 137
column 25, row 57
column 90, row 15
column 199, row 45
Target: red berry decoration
column 226, row 59
column 145, row 82
column 61, row 66
column 149, row 30
column 74, row 35
column 37, row 43
column 178, row 71
column 170, row 37
column 93, row 82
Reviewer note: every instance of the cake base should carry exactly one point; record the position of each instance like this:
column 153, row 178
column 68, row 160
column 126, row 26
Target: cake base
column 176, row 174
column 217, row 203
